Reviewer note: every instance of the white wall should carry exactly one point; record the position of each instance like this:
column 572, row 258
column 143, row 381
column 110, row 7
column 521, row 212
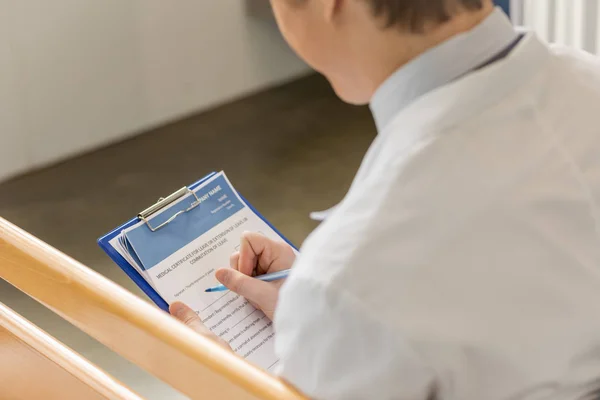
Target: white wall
column 77, row 74
column 573, row 23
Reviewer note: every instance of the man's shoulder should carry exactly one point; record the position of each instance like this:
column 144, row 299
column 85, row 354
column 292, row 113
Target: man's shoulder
column 574, row 55
column 400, row 203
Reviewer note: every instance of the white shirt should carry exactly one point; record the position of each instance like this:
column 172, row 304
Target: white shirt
column 464, row 262
column 441, row 65
column 437, row 67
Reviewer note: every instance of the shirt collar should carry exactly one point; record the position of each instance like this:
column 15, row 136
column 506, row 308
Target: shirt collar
column 441, row 65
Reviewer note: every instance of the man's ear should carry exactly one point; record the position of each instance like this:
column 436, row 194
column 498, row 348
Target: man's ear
column 332, row 8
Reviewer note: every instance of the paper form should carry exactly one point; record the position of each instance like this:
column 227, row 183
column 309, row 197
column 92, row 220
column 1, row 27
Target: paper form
column 180, row 261
column 120, row 245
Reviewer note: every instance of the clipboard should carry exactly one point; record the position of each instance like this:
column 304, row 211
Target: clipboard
column 132, row 273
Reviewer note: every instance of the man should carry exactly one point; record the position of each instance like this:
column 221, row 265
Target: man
column 464, row 262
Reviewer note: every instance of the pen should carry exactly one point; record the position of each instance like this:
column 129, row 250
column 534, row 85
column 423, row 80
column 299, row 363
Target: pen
column 265, row 278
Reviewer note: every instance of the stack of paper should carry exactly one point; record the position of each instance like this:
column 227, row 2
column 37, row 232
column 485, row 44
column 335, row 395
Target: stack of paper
column 179, row 261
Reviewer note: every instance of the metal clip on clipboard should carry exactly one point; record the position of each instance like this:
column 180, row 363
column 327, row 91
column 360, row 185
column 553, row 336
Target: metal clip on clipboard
column 164, row 202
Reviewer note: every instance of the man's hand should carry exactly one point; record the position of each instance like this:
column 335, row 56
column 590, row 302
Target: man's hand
column 191, row 319
column 258, row 255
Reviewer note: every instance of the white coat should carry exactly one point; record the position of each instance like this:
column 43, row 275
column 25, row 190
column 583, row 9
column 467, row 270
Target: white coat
column 464, row 262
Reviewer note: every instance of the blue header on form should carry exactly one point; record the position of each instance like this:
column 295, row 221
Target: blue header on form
column 217, row 205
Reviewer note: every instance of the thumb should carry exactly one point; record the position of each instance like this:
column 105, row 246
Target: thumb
column 186, row 315
column 258, row 292
column 189, row 317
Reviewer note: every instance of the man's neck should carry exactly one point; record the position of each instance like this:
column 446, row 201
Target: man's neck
column 487, row 42
column 414, row 45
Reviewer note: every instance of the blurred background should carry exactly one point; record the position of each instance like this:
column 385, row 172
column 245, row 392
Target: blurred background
column 107, row 105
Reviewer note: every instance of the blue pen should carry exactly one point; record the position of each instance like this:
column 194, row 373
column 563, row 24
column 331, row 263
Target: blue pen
column 275, row 276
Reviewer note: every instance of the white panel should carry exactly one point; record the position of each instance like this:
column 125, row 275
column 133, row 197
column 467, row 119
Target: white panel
column 537, row 15
column 80, row 69
column 573, row 23
column 570, row 22
column 589, row 25
column 579, row 23
column 200, row 53
column 563, row 20
column 92, row 72
column 13, row 153
column 597, row 28
column 517, row 9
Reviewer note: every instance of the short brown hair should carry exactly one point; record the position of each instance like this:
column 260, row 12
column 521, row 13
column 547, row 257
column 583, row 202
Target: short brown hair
column 413, row 15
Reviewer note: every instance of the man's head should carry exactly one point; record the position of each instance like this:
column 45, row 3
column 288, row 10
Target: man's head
column 357, row 44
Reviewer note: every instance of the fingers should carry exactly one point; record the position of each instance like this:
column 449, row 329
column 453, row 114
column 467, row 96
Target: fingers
column 258, row 252
column 260, row 293
column 252, row 245
column 234, row 260
column 189, row 317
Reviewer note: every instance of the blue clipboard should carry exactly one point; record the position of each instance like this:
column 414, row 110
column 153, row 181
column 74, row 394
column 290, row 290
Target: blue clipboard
column 132, row 273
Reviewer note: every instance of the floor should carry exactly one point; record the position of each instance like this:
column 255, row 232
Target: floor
column 289, row 150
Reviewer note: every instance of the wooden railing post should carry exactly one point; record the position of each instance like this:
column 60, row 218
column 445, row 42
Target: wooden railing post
column 145, row 335
column 35, row 366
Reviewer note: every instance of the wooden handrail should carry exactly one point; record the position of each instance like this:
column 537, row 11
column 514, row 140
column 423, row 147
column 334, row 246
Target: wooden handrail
column 145, row 335
column 34, row 365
